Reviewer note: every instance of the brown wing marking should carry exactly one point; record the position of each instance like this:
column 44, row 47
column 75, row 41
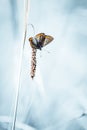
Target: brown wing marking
column 40, row 38
column 32, row 43
column 47, row 40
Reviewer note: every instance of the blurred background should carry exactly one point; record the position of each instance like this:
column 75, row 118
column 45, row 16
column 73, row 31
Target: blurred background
column 57, row 97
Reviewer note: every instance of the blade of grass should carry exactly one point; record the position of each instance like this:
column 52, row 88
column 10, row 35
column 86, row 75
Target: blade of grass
column 21, row 58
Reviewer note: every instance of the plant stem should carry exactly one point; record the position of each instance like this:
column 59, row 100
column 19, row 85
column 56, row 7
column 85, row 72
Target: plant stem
column 21, row 57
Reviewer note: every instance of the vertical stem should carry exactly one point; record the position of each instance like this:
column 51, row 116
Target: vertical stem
column 21, row 57
column 33, row 63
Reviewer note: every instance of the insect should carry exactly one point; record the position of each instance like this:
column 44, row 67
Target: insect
column 38, row 42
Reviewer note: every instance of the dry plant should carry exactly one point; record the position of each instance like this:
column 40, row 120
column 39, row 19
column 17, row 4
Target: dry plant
column 33, row 63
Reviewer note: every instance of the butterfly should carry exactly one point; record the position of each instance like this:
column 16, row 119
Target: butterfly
column 40, row 40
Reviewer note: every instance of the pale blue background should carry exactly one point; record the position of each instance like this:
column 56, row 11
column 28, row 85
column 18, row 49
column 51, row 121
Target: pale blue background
column 58, row 95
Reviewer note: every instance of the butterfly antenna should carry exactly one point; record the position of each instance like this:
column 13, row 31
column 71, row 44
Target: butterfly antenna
column 32, row 28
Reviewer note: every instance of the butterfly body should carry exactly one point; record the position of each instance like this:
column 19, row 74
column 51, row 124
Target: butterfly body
column 40, row 40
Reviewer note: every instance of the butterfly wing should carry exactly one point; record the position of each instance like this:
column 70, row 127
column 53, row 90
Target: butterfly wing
column 47, row 40
column 33, row 42
column 40, row 38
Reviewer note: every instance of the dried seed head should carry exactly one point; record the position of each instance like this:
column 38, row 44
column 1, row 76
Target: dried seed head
column 33, row 63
